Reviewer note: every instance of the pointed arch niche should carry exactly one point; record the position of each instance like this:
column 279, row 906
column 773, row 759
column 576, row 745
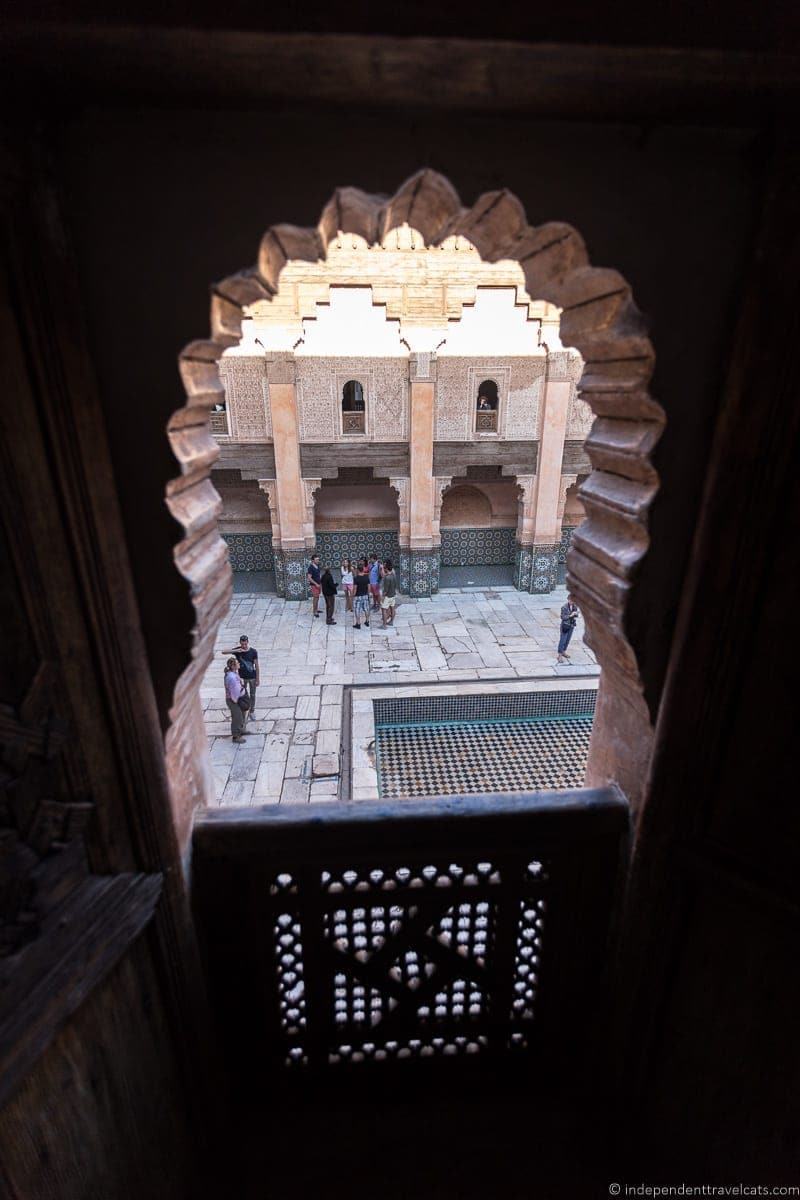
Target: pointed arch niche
column 598, row 317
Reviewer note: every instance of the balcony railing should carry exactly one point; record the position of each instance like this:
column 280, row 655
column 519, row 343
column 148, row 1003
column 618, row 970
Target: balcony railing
column 453, row 927
column 486, row 420
column 353, row 422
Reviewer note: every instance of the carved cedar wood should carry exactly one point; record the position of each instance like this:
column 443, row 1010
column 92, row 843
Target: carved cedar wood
column 441, row 927
column 63, row 927
column 599, row 318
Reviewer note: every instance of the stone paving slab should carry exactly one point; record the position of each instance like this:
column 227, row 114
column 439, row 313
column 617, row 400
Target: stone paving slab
column 467, row 635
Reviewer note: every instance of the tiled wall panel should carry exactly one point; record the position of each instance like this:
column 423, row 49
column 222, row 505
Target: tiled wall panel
column 476, row 547
column 250, row 551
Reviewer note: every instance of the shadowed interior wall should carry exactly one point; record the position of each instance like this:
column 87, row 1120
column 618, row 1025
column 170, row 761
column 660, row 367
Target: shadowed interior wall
column 356, row 506
column 162, row 203
column 480, row 505
column 244, row 505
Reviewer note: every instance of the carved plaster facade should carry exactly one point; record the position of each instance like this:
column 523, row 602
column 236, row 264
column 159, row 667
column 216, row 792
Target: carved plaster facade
column 439, row 332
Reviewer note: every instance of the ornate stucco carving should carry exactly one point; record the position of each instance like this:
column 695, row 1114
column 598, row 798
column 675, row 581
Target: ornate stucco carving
column 564, row 366
column 320, row 385
column 402, row 485
column 521, row 418
column 422, row 365
column 317, row 402
column 388, row 402
column 454, row 402
column 525, row 512
column 440, row 485
column 580, row 416
column 310, row 487
column 247, row 398
column 270, row 489
column 566, row 483
column 281, row 368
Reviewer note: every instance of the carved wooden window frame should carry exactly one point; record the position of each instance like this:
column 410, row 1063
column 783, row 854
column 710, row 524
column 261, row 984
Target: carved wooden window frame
column 342, row 378
column 598, row 317
column 501, row 378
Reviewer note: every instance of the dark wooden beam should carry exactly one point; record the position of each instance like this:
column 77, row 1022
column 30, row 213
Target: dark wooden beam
column 183, row 66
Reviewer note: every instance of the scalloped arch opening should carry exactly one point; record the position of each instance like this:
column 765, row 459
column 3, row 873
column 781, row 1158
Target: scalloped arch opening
column 599, row 318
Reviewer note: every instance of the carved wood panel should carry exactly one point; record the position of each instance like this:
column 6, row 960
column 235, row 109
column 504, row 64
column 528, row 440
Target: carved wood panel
column 71, row 897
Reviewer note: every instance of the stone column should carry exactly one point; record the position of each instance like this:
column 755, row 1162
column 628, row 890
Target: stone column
column 546, row 540
column 290, row 557
column 420, row 565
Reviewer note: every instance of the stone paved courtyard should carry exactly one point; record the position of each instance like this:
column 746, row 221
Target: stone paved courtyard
column 293, row 752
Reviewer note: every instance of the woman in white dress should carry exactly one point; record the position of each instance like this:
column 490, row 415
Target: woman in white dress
column 348, row 584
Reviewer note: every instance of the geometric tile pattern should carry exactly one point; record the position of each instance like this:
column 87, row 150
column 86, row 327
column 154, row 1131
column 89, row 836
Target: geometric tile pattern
column 482, row 756
column 507, row 706
column 465, row 547
column 536, row 567
column 290, row 574
column 566, row 541
column 250, row 551
column 523, row 560
column 333, row 546
column 419, row 572
column 544, row 568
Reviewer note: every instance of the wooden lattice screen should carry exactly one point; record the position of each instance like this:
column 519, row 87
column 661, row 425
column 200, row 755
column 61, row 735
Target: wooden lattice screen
column 463, row 926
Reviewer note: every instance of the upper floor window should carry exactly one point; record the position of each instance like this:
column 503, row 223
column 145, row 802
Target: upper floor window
column 219, row 419
column 353, row 407
column 486, row 406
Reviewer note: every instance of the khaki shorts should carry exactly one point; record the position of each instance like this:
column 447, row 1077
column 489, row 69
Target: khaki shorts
column 388, row 601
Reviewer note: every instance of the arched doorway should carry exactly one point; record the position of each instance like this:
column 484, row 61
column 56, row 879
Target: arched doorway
column 478, row 532
column 355, row 515
column 246, row 526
